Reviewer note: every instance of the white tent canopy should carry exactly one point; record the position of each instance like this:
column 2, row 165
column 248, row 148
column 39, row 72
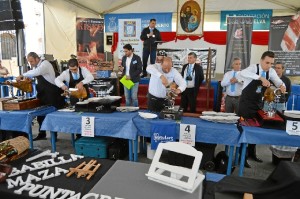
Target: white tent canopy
column 60, row 20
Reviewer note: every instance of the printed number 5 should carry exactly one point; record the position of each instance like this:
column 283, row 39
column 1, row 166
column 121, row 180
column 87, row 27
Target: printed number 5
column 88, row 120
column 187, row 128
column 295, row 126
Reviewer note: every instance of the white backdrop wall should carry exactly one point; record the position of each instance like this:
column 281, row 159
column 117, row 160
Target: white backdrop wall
column 60, row 28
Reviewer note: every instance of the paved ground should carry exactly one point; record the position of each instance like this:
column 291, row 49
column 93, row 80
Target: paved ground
column 258, row 170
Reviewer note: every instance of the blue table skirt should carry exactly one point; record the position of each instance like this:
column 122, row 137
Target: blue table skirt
column 207, row 132
column 115, row 124
column 22, row 120
column 255, row 135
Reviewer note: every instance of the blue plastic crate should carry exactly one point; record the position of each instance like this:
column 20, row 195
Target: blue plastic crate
column 92, row 147
column 103, row 73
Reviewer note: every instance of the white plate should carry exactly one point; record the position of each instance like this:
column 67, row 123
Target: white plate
column 73, row 89
column 127, row 108
column 209, row 113
column 225, row 114
column 84, row 102
column 66, row 110
column 147, row 115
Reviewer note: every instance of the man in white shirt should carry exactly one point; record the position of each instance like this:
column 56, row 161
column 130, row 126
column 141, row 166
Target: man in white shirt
column 233, row 87
column 47, row 92
column 256, row 79
column 75, row 77
column 161, row 78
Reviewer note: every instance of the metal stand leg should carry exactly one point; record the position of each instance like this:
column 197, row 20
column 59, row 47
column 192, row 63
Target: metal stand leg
column 237, row 153
column 230, row 160
column 243, row 156
column 53, row 143
column 130, row 150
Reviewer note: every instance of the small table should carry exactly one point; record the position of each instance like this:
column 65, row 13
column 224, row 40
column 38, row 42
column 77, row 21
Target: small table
column 207, row 132
column 22, row 120
column 256, row 135
column 128, row 180
column 116, row 124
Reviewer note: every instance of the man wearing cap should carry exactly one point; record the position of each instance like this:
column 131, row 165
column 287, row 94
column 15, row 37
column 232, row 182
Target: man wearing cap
column 192, row 73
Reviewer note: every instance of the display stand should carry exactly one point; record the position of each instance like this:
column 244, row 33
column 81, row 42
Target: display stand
column 178, row 177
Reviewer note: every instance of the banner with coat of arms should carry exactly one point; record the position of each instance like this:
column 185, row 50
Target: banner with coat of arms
column 129, row 33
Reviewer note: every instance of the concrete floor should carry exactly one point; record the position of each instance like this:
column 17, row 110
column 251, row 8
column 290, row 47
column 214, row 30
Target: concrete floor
column 258, row 170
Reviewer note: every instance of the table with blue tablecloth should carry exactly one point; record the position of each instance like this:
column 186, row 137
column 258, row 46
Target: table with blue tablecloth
column 22, row 120
column 207, row 132
column 256, row 135
column 116, row 124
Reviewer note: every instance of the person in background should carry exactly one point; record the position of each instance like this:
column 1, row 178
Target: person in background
column 47, row 92
column 161, row 77
column 192, row 73
column 256, row 79
column 151, row 36
column 131, row 66
column 160, row 56
column 3, row 71
column 279, row 68
column 233, row 85
column 75, row 77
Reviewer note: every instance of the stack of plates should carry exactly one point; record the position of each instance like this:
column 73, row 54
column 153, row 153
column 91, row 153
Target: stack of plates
column 221, row 119
column 213, row 113
column 147, row 115
column 292, row 114
column 127, row 108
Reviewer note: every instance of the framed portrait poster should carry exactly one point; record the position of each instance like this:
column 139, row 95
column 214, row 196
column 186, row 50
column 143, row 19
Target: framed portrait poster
column 190, row 17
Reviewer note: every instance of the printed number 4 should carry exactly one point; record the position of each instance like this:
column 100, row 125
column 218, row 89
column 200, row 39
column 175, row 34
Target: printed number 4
column 187, row 128
column 295, row 126
column 88, row 120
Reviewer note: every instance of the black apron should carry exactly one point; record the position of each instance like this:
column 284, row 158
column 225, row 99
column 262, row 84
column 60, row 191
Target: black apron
column 49, row 94
column 73, row 83
column 251, row 97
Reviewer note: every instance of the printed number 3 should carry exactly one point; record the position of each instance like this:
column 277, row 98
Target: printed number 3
column 88, row 120
column 295, row 126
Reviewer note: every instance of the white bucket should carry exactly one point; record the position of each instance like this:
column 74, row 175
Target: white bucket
column 150, row 153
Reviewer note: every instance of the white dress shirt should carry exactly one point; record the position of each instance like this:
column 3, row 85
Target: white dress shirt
column 128, row 61
column 189, row 68
column 65, row 76
column 225, row 83
column 156, row 88
column 43, row 68
column 249, row 74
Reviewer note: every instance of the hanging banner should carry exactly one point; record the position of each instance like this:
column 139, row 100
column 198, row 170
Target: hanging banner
column 129, row 33
column 163, row 20
column 90, row 42
column 239, row 39
column 284, row 41
column 162, row 132
column 261, row 18
column 190, row 17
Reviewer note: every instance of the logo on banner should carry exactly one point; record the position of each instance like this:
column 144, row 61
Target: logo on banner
column 112, row 26
column 161, row 133
column 130, row 29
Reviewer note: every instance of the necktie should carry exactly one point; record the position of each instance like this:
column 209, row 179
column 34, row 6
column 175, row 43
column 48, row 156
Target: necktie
column 75, row 76
column 232, row 86
column 264, row 74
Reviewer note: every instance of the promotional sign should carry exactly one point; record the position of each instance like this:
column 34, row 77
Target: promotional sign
column 163, row 21
column 261, row 18
column 285, row 43
column 90, row 42
column 239, row 40
column 88, row 126
column 187, row 134
column 162, row 132
column 129, row 33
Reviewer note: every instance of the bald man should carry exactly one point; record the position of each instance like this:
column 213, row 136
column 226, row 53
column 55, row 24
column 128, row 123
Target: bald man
column 161, row 77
